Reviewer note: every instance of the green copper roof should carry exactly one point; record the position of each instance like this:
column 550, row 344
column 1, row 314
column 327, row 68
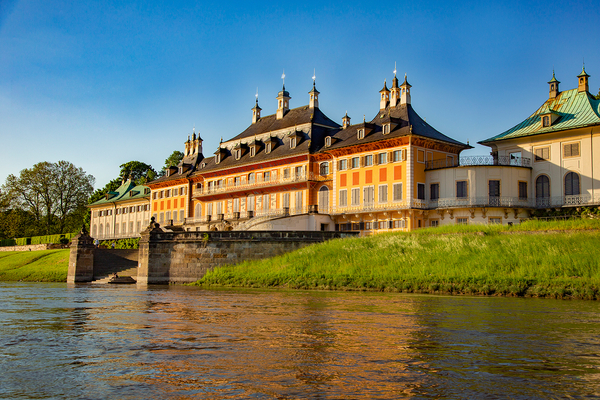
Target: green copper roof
column 127, row 191
column 575, row 110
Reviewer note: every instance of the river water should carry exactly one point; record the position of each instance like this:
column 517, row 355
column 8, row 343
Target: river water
column 158, row 342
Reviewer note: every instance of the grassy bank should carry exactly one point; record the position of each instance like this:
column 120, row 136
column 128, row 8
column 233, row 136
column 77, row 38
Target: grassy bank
column 488, row 260
column 34, row 266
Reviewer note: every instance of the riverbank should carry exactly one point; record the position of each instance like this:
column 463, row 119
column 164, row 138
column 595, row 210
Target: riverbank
column 34, row 266
column 549, row 259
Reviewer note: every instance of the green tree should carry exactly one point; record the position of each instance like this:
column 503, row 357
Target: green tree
column 140, row 172
column 172, row 161
column 50, row 192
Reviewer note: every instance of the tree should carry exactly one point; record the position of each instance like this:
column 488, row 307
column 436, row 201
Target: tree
column 140, row 172
column 172, row 161
column 50, row 192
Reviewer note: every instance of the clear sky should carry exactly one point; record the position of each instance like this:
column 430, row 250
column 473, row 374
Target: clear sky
column 100, row 83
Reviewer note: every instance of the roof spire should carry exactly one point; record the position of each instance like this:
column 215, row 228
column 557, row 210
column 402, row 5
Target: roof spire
column 314, row 77
column 394, row 69
column 283, row 78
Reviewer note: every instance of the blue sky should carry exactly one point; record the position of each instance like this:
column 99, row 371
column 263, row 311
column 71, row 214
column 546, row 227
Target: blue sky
column 100, row 83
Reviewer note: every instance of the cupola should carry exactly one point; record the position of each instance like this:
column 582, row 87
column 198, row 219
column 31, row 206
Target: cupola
column 395, row 99
column 345, row 121
column 256, row 111
column 405, row 92
column 553, row 86
column 314, row 97
column 385, row 96
column 583, row 81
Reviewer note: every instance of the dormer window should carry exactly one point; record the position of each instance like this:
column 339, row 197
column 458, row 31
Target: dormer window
column 180, row 170
column 546, row 120
column 386, row 129
column 252, row 151
column 237, row 154
column 327, row 141
column 360, row 134
column 293, row 143
column 202, row 165
column 268, row 148
column 218, row 158
column 147, row 191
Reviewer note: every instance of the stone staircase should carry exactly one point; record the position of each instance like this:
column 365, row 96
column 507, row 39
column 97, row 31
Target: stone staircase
column 122, row 262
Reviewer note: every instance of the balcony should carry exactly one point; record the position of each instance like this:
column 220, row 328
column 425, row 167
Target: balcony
column 476, row 161
column 206, row 191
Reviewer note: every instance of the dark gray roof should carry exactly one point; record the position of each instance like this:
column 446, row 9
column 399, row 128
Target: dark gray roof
column 292, row 118
column 404, row 116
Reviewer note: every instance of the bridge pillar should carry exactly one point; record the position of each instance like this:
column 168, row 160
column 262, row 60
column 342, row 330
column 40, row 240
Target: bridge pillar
column 81, row 258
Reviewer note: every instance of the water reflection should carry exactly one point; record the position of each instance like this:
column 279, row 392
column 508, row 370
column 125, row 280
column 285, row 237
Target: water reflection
column 97, row 342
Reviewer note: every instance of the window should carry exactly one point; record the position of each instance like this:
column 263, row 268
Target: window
column 343, row 198
column 434, row 223
column 382, row 158
column 571, row 150
column 154, row 196
column 545, row 120
column 219, row 183
column 236, row 205
column 267, row 176
column 219, row 207
column 355, row 200
column 386, row 129
column 168, row 193
column 522, row 190
column 397, row 155
column 368, row 160
column 327, row 141
column 494, row 192
column 343, row 165
column 399, row 223
column 382, row 225
column 293, row 143
column 542, row 190
column 252, row 151
column 218, row 158
column 461, row 189
column 382, row 192
column 542, row 154
column 238, row 154
column 572, row 184
column 360, row 134
column 298, row 200
column 265, row 204
column 496, row 220
column 421, row 191
column 397, row 191
column 250, row 203
column 462, row 221
column 251, row 177
column 209, row 209
column 434, row 191
column 286, row 173
column 355, row 162
column 286, row 200
column 268, row 148
column 324, row 169
column 368, row 196
column 298, row 172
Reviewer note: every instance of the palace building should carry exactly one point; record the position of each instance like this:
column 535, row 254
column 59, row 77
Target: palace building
column 299, row 170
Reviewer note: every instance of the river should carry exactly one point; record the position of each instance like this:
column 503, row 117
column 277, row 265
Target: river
column 64, row 341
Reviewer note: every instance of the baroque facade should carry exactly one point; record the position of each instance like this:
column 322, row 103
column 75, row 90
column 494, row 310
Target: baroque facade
column 299, row 170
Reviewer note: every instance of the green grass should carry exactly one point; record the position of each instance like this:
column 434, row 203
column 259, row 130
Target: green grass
column 34, row 266
column 467, row 259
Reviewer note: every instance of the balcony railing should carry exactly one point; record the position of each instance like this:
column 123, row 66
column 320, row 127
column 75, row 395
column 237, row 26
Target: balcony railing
column 261, row 184
column 506, row 161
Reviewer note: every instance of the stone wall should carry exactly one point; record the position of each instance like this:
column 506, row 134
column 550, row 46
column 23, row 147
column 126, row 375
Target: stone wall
column 181, row 257
column 33, row 247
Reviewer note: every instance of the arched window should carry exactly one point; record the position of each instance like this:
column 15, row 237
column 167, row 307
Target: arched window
column 94, row 228
column 251, row 177
column 324, row 200
column 542, row 190
column 572, row 184
column 546, row 121
column 328, row 141
column 101, row 231
column 324, row 168
column 198, row 210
